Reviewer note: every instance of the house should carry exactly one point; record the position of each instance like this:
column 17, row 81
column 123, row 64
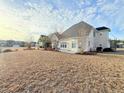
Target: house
column 81, row 37
column 55, row 37
column 120, row 45
column 44, row 41
column 3, row 43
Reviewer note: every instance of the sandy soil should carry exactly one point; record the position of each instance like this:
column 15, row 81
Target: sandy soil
column 36, row 71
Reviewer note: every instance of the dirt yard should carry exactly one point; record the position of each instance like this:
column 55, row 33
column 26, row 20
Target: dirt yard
column 36, row 71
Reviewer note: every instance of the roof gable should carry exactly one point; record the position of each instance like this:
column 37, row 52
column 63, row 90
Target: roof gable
column 55, row 34
column 77, row 30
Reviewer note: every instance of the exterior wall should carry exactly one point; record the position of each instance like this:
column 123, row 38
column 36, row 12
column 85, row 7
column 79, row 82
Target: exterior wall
column 102, row 39
column 87, row 42
column 120, row 45
column 69, row 48
column 90, row 41
column 83, row 43
column 54, row 41
column 41, row 44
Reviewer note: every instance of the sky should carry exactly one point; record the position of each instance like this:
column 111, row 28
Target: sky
column 24, row 19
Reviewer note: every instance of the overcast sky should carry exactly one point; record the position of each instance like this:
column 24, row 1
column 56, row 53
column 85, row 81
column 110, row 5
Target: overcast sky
column 20, row 19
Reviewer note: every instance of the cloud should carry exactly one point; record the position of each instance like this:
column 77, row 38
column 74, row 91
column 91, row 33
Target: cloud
column 45, row 16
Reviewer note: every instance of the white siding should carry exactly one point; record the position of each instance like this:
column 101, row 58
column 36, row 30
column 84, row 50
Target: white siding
column 54, row 41
column 69, row 48
column 40, row 43
column 84, row 43
column 87, row 42
column 90, row 46
column 102, row 39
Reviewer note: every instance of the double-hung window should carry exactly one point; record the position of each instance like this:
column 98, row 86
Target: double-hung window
column 73, row 44
column 63, row 45
column 94, row 33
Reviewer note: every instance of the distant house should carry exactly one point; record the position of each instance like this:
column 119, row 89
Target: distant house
column 81, row 37
column 44, row 41
column 3, row 43
column 55, row 37
column 120, row 45
column 16, row 46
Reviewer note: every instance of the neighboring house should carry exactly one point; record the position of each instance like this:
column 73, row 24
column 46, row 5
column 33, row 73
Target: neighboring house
column 16, row 46
column 44, row 41
column 33, row 44
column 54, row 37
column 120, row 45
column 81, row 37
column 3, row 43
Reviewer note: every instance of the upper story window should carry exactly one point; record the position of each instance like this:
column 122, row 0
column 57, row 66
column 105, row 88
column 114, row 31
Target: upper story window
column 100, row 45
column 100, row 34
column 87, row 33
column 94, row 33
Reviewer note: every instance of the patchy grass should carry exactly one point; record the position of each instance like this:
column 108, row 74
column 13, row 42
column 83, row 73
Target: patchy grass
column 54, row 72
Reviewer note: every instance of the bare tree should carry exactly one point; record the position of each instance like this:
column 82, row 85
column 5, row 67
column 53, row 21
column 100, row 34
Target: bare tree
column 29, row 41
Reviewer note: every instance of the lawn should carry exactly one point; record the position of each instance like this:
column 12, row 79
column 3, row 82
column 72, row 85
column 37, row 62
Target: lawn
column 38, row 71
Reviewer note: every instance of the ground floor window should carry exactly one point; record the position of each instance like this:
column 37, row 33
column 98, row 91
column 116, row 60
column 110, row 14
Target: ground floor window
column 73, row 44
column 88, row 43
column 63, row 45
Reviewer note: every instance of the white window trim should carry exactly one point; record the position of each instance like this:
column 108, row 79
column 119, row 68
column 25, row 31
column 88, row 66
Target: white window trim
column 63, row 45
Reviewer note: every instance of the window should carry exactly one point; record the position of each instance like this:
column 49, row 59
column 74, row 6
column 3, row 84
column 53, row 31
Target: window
column 89, row 43
column 100, row 45
column 80, row 33
column 94, row 34
column 73, row 44
column 100, row 34
column 87, row 33
column 63, row 45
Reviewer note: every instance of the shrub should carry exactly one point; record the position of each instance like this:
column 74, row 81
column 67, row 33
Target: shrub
column 108, row 50
column 89, row 53
column 7, row 50
column 16, row 49
column 49, row 49
column 29, row 49
column 99, row 49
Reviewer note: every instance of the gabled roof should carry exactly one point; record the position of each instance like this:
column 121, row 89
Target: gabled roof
column 56, row 33
column 43, row 35
column 77, row 30
column 103, row 28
